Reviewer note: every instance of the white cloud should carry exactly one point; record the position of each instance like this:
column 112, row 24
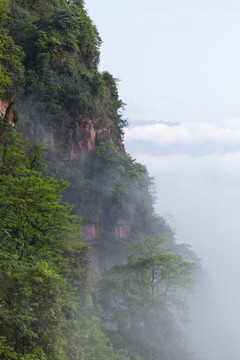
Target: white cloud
column 220, row 168
column 225, row 133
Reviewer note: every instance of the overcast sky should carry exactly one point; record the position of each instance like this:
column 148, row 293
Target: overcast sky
column 179, row 66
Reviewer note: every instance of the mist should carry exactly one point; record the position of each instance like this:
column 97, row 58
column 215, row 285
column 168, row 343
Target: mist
column 200, row 193
column 187, row 56
column 179, row 65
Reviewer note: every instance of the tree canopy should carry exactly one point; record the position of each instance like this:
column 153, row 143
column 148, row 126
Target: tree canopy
column 140, row 300
column 11, row 69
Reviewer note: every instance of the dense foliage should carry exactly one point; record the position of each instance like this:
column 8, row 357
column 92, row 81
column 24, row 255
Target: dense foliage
column 11, row 69
column 47, row 311
column 62, row 81
column 113, row 180
column 49, row 308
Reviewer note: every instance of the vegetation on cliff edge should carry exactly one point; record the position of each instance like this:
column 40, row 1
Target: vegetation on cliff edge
column 49, row 308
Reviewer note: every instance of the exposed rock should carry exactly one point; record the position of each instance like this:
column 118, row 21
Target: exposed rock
column 7, row 112
column 103, row 255
column 122, row 229
column 90, row 231
column 4, row 104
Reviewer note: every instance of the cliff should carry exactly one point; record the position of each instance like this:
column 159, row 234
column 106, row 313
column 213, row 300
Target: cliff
column 74, row 111
column 49, row 310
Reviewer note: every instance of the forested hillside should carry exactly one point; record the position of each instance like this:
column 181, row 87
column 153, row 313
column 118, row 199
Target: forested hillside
column 87, row 269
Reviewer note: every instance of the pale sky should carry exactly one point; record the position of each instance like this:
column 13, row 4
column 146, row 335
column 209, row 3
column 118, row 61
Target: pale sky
column 179, row 66
column 177, row 60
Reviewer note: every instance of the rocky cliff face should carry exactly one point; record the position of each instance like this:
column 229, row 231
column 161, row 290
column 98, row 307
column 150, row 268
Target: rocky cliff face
column 71, row 140
column 7, row 114
column 93, row 234
column 87, row 137
column 70, row 143
column 119, row 231
column 72, row 109
column 4, row 104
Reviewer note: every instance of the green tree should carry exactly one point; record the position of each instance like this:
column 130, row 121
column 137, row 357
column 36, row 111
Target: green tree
column 11, row 69
column 138, row 305
column 167, row 272
column 47, row 309
column 35, row 228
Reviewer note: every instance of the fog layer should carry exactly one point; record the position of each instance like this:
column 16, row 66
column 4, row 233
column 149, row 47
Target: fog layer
column 199, row 185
